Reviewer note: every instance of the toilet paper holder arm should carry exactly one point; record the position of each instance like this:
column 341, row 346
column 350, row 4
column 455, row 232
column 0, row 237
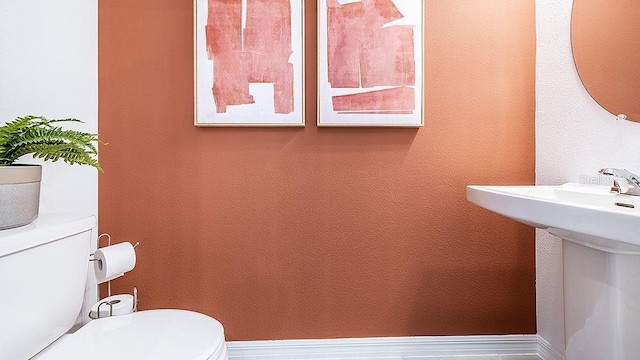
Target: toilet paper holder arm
column 134, row 246
column 108, row 236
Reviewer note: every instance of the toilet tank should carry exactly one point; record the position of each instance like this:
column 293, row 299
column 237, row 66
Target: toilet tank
column 43, row 270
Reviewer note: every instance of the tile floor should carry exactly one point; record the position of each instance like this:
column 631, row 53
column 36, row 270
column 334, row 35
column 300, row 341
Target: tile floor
column 506, row 357
column 496, row 357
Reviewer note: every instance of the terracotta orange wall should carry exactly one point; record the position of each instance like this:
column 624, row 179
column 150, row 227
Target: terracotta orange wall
column 322, row 233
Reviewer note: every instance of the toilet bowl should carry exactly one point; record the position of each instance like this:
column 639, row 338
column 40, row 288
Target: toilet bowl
column 144, row 335
column 43, row 271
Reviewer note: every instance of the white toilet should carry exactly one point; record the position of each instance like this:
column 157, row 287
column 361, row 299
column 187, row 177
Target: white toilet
column 43, row 270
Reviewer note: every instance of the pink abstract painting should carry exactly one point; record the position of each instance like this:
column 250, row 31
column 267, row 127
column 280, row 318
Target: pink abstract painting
column 370, row 57
column 253, row 49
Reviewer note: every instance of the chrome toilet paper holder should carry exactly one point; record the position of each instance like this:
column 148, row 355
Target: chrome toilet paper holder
column 111, row 303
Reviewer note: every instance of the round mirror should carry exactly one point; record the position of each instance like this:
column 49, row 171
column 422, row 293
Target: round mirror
column 606, row 48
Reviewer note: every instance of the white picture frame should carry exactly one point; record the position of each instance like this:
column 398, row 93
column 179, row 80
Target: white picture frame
column 232, row 44
column 370, row 75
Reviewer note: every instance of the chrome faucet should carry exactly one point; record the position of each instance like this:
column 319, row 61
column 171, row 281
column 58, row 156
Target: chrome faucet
column 624, row 181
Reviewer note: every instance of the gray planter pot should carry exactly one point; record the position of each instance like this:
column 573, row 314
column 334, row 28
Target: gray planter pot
column 19, row 194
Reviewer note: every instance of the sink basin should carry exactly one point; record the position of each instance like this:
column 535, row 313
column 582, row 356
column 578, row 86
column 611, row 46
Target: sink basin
column 589, row 215
column 601, row 287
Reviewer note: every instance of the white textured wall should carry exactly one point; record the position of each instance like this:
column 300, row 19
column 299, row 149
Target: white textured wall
column 575, row 138
column 49, row 67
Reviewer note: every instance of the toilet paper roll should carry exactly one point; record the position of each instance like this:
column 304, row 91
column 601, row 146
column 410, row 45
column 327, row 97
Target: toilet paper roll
column 122, row 304
column 113, row 261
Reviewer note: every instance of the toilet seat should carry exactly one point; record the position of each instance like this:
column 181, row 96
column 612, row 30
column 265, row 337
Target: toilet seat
column 144, row 335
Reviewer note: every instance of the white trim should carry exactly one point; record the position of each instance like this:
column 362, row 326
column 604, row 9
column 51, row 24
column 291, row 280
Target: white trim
column 547, row 352
column 384, row 348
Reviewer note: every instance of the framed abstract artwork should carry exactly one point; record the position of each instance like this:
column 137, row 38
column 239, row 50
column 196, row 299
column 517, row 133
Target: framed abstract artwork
column 370, row 62
column 249, row 62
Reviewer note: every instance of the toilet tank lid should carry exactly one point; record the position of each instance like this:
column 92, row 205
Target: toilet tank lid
column 46, row 228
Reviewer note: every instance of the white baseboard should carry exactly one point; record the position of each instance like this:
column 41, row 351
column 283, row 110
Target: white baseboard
column 385, row 348
column 547, row 352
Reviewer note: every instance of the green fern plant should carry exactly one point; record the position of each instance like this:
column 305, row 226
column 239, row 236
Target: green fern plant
column 46, row 140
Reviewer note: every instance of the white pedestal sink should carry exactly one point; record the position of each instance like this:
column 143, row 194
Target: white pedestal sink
column 601, row 253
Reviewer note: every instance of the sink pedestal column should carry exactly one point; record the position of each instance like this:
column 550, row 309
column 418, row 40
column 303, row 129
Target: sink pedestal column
column 602, row 304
